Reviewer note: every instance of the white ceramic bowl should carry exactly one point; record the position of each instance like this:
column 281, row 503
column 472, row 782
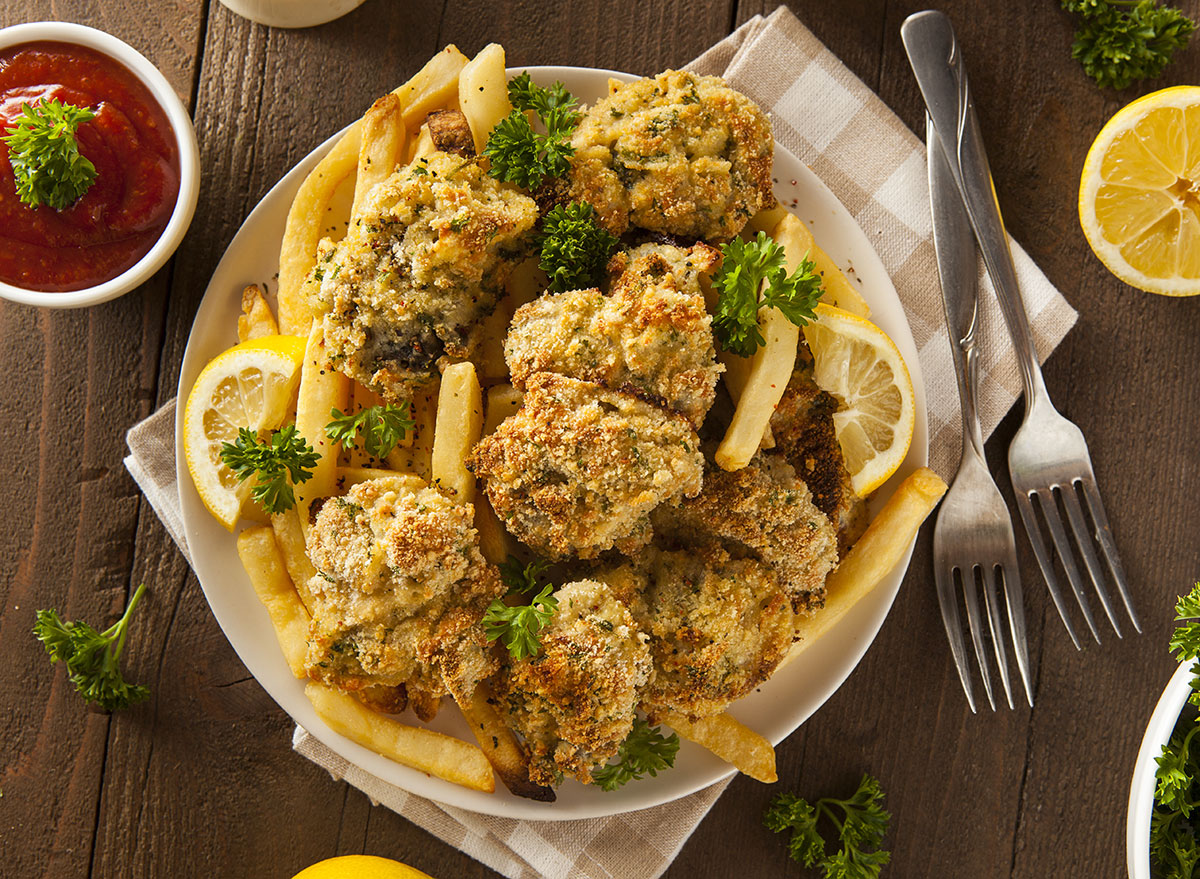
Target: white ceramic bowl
column 1141, row 790
column 185, row 140
column 292, row 13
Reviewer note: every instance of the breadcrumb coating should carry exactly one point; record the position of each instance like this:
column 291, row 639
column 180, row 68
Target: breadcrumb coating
column 574, row 701
column 579, row 468
column 399, row 593
column 677, row 153
column 651, row 336
column 406, row 290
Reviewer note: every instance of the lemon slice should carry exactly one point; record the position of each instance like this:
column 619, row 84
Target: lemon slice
column 360, row 867
column 1139, row 195
column 250, row 385
column 861, row 367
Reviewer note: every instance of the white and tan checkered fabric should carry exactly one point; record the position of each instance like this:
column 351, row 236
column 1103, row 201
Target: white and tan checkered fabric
column 835, row 124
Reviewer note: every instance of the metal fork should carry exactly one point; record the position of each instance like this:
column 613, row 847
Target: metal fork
column 973, row 536
column 1048, row 460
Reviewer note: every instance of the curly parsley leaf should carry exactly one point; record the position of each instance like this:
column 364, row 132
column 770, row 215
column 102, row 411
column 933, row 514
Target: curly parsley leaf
column 91, row 657
column 523, row 579
column 526, row 157
column 46, row 162
column 517, row 626
column 382, row 428
column 645, row 751
column 748, row 266
column 861, row 823
column 574, row 247
column 1120, row 42
column 285, row 454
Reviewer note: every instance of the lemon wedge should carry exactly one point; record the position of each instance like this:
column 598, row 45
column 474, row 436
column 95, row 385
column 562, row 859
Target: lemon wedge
column 360, row 867
column 1139, row 194
column 251, row 385
column 861, row 367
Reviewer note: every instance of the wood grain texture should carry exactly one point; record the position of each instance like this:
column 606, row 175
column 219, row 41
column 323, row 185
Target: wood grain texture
column 201, row 781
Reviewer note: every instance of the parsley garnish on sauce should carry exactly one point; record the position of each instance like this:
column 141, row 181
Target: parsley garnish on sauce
column 46, row 162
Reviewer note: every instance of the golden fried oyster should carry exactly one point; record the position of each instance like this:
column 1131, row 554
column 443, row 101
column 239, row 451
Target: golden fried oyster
column 718, row 626
column 579, row 468
column 677, row 153
column 399, row 593
column 762, row 511
column 651, row 336
column 574, row 701
column 407, row 288
column 802, row 425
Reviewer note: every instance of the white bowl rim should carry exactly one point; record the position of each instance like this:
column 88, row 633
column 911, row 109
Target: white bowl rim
column 1141, row 788
column 185, row 138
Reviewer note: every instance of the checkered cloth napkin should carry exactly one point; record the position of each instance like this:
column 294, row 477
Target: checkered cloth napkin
column 828, row 118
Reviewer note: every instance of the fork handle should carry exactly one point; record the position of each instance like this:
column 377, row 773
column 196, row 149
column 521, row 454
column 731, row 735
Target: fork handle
column 936, row 60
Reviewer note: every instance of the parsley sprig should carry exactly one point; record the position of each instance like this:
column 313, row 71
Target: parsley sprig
column 517, row 626
column 285, row 454
column 1122, row 41
column 748, row 266
column 523, row 156
column 574, row 247
column 861, row 827
column 1173, row 842
column 382, row 427
column 644, row 752
column 45, row 157
column 92, row 658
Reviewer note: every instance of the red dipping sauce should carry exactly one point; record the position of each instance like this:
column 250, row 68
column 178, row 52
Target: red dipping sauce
column 130, row 142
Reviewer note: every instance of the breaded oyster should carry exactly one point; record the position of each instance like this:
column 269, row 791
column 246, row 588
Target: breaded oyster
column 718, row 626
column 399, row 593
column 677, row 153
column 762, row 511
column 574, row 701
column 651, row 336
column 427, row 260
column 579, row 468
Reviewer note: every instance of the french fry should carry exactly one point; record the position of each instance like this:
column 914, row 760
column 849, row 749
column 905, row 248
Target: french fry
column 492, row 365
column 289, row 537
column 730, row 740
column 305, row 221
column 383, row 147
column 875, row 554
column 764, row 221
column 348, row 477
column 423, row 749
column 502, row 401
column 456, row 431
column 413, row 456
column 433, row 87
column 526, row 281
column 422, row 145
column 493, row 538
column 256, row 319
column 483, row 92
column 501, row 747
column 839, row 292
column 321, row 391
column 264, row 565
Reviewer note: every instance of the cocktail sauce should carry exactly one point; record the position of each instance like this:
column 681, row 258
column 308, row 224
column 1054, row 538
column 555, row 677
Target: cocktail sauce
column 130, row 142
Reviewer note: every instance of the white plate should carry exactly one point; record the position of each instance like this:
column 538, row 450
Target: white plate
column 775, row 709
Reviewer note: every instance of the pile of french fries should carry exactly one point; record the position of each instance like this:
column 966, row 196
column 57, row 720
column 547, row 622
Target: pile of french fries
column 453, row 415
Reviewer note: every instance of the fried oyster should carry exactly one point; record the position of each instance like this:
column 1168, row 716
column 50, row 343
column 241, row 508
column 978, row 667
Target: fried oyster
column 579, row 468
column 651, row 336
column 399, row 593
column 406, row 289
column 677, row 153
column 574, row 702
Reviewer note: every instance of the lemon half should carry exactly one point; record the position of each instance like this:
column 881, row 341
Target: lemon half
column 360, row 867
column 1139, row 194
column 250, row 385
column 858, row 364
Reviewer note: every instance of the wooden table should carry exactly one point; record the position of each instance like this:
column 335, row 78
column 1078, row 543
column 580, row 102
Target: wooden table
column 201, row 781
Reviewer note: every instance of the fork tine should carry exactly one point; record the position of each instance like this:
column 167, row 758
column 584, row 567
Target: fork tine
column 948, row 602
column 1066, row 555
column 1108, row 545
column 1014, row 600
column 1084, row 540
column 1033, row 531
column 993, row 610
column 976, row 624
